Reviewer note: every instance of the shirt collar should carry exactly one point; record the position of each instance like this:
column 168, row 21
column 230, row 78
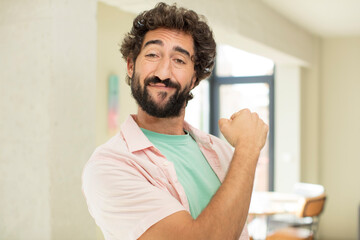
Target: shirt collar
column 136, row 139
column 197, row 134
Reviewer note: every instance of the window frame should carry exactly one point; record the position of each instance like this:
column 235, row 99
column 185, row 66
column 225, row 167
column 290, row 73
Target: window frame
column 216, row 81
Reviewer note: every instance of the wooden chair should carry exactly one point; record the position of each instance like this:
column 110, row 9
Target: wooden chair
column 310, row 207
column 286, row 220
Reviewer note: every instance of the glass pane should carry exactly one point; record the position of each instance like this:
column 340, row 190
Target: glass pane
column 197, row 111
column 254, row 96
column 233, row 62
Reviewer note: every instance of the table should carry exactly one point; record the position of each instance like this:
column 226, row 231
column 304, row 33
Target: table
column 270, row 203
column 265, row 204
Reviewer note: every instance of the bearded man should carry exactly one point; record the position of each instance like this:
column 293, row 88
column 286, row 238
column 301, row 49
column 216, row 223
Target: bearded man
column 160, row 178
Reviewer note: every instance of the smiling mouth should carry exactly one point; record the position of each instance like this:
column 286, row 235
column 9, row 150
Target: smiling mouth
column 160, row 85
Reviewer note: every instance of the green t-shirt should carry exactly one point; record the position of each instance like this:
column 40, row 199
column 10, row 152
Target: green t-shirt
column 193, row 171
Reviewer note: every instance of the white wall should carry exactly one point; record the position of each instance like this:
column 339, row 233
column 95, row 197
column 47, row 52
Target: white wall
column 287, row 127
column 47, row 99
column 340, row 131
column 24, row 124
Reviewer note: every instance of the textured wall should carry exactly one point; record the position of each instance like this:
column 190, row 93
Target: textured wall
column 72, row 112
column 25, row 47
column 47, row 107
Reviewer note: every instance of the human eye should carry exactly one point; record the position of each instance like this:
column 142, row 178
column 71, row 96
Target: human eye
column 179, row 61
column 151, row 55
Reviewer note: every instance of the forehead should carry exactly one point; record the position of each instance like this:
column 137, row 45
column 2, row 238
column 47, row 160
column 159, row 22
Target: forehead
column 171, row 38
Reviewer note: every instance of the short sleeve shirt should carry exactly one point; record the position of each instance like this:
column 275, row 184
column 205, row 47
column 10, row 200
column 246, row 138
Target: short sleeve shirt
column 193, row 171
column 129, row 185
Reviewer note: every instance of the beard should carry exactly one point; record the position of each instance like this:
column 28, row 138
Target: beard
column 171, row 108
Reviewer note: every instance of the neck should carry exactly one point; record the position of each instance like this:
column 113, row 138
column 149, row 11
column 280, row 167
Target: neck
column 170, row 126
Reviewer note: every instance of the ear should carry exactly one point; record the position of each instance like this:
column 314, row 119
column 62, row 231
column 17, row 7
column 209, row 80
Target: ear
column 130, row 67
column 193, row 80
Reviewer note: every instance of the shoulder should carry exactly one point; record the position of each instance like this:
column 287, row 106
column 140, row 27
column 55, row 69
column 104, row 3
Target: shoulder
column 219, row 145
column 110, row 157
column 122, row 193
column 114, row 150
column 223, row 150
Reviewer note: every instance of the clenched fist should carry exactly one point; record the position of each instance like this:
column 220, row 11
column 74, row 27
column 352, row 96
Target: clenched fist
column 244, row 129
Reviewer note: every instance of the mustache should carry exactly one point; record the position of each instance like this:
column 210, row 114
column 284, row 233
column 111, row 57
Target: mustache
column 167, row 82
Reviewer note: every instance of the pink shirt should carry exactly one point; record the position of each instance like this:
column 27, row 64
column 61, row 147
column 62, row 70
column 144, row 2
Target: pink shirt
column 129, row 185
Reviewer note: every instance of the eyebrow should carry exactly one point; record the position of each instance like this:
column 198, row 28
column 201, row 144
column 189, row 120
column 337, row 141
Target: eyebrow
column 176, row 48
column 157, row 42
column 181, row 50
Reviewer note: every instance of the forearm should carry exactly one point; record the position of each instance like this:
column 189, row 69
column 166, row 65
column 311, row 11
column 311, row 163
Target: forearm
column 225, row 215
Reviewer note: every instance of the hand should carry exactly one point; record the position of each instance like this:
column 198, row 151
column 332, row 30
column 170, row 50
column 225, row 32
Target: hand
column 244, row 129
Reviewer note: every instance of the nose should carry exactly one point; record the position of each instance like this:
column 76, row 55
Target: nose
column 163, row 69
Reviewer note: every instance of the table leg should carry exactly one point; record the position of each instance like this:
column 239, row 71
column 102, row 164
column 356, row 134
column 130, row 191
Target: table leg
column 258, row 227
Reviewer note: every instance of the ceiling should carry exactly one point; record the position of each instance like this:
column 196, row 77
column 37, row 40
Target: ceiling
column 134, row 6
column 326, row 18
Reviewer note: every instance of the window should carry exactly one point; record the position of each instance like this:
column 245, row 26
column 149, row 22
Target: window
column 239, row 80
column 245, row 80
column 198, row 109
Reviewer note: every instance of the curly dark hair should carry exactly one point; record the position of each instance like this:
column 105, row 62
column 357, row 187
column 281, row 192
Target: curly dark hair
column 172, row 17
